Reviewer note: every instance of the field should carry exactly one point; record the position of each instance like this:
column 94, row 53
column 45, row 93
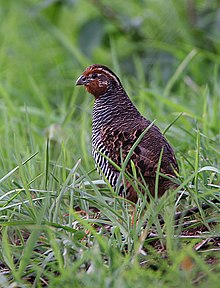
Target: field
column 61, row 225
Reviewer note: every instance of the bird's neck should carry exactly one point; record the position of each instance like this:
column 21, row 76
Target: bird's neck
column 111, row 107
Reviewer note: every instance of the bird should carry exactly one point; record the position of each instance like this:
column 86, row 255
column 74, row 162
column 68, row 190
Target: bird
column 116, row 126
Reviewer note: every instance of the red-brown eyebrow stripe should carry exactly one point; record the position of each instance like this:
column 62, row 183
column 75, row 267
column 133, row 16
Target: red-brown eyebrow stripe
column 102, row 71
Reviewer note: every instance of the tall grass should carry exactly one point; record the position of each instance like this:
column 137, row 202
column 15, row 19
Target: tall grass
column 60, row 224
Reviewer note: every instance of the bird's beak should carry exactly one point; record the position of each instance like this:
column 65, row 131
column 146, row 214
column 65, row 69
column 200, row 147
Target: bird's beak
column 80, row 81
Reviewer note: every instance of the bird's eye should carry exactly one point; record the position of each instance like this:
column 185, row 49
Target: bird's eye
column 94, row 75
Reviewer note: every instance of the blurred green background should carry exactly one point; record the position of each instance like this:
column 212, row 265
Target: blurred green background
column 167, row 55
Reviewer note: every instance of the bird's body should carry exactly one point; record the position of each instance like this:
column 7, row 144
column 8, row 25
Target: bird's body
column 117, row 124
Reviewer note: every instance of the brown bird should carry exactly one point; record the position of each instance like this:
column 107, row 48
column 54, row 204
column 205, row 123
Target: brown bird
column 116, row 125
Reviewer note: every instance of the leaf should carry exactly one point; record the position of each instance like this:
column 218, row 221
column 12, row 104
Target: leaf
column 209, row 168
column 90, row 36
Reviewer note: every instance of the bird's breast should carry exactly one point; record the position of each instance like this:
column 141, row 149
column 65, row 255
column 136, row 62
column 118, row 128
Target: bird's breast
column 101, row 156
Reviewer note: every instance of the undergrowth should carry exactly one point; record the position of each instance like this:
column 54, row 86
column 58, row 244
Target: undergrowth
column 60, row 224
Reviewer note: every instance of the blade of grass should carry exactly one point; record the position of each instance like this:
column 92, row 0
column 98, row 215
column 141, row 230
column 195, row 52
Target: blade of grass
column 179, row 71
column 17, row 167
column 63, row 191
column 171, row 124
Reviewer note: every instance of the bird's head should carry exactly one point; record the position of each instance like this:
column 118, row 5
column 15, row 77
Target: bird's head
column 97, row 79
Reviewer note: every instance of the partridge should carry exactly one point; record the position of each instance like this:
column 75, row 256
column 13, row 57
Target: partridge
column 116, row 126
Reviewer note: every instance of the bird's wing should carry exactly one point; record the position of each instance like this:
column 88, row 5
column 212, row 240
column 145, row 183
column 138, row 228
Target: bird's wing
column 145, row 155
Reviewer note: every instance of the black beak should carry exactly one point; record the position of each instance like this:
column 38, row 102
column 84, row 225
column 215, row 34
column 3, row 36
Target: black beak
column 81, row 80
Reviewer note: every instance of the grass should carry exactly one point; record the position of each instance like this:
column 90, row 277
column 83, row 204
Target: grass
column 47, row 173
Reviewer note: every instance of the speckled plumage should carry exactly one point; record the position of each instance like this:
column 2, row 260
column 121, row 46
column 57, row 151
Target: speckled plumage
column 116, row 126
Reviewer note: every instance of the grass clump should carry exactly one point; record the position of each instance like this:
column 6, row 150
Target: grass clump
column 60, row 225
